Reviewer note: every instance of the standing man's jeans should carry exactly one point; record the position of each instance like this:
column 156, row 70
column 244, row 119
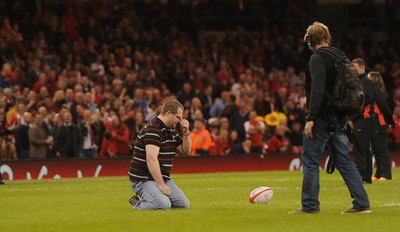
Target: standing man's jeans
column 313, row 149
column 152, row 197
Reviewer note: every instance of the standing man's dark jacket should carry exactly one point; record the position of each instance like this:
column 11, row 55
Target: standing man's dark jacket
column 322, row 68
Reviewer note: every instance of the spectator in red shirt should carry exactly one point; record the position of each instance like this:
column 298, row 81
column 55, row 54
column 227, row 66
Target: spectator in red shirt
column 255, row 131
column 278, row 142
column 69, row 24
column 224, row 75
column 116, row 139
column 42, row 82
column 220, row 145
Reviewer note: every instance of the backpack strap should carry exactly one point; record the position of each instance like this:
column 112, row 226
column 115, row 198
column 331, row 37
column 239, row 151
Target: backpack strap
column 334, row 56
column 331, row 111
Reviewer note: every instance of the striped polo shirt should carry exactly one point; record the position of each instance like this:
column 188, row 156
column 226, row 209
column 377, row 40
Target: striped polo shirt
column 156, row 133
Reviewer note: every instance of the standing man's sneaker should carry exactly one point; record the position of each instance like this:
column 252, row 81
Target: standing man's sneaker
column 383, row 179
column 134, row 200
column 357, row 211
column 375, row 178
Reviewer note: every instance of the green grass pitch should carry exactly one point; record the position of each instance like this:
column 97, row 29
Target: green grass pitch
column 219, row 202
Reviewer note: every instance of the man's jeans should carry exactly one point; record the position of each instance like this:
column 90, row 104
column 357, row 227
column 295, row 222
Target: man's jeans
column 152, row 197
column 313, row 150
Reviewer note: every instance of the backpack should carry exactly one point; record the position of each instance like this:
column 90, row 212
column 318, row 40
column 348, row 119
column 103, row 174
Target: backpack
column 347, row 95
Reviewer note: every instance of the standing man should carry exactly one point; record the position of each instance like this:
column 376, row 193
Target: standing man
column 39, row 140
column 325, row 127
column 152, row 161
column 89, row 146
column 362, row 125
column 22, row 136
column 70, row 138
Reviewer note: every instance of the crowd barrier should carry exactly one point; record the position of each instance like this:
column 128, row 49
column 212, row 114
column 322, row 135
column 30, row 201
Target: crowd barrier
column 83, row 168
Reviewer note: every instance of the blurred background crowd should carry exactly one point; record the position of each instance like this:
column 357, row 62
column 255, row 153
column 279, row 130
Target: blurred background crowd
column 80, row 78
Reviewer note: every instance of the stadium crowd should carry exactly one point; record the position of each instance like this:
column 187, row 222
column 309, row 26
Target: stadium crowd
column 82, row 80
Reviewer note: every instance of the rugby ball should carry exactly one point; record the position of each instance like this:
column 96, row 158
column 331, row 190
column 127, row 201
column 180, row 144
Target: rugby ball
column 261, row 195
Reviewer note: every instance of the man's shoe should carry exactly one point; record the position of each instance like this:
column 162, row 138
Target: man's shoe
column 2, row 182
column 357, row 211
column 134, row 200
column 383, row 179
column 301, row 211
column 375, row 178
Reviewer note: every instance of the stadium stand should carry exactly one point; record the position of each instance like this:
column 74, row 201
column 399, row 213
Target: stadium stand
column 125, row 57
